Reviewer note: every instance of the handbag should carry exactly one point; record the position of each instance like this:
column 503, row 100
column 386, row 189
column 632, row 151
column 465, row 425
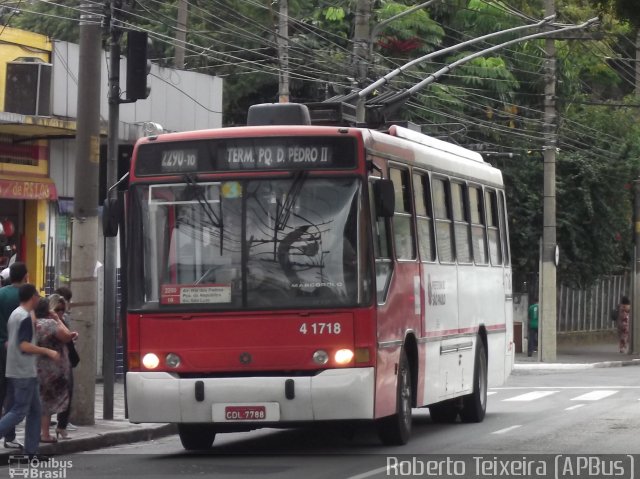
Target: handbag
column 74, row 357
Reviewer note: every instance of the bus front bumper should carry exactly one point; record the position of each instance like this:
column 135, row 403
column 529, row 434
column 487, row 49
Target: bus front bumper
column 335, row 394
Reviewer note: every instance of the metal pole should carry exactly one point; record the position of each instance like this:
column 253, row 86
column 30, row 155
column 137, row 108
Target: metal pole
column 181, row 33
column 635, row 302
column 85, row 215
column 361, row 39
column 638, row 63
column 283, row 50
column 549, row 293
column 110, row 245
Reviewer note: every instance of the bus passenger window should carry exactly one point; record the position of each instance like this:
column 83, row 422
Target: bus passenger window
column 493, row 228
column 444, row 223
column 424, row 215
column 402, row 221
column 478, row 231
column 505, row 228
column 381, row 249
column 461, row 223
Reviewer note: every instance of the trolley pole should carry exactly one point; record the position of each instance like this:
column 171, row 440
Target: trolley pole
column 547, row 338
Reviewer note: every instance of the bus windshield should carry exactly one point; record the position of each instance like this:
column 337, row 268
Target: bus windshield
column 253, row 244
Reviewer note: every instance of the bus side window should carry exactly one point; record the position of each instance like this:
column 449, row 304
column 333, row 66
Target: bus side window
column 381, row 249
column 424, row 217
column 493, row 227
column 505, row 228
column 478, row 230
column 461, row 222
column 403, row 235
column 444, row 222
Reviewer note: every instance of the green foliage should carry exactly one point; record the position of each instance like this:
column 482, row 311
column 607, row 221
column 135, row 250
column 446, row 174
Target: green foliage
column 57, row 22
column 493, row 103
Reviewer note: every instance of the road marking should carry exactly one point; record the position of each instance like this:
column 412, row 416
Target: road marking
column 490, row 393
column 594, row 395
column 373, row 472
column 507, row 429
column 571, row 408
column 532, row 396
column 516, row 388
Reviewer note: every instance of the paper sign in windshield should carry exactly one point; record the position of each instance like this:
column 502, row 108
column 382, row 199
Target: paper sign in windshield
column 201, row 294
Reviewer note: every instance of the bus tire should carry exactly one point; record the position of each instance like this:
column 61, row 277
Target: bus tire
column 445, row 412
column 395, row 430
column 474, row 405
column 196, row 437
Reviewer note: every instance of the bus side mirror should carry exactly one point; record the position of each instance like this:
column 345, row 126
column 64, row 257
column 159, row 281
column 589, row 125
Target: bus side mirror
column 110, row 217
column 385, row 198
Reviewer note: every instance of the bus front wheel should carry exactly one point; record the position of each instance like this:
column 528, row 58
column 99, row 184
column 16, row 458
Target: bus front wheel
column 196, row 437
column 474, row 405
column 395, row 430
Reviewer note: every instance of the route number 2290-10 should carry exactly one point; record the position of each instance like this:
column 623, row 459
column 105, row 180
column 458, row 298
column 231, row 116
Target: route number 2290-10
column 321, row 328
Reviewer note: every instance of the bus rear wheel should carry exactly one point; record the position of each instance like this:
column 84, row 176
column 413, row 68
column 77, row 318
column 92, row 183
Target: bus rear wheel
column 474, row 405
column 395, row 430
column 196, row 437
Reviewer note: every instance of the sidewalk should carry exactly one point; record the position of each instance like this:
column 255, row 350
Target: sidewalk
column 102, row 434
column 576, row 356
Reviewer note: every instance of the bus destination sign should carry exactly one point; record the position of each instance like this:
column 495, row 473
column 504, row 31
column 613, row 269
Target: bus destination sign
column 183, row 161
column 245, row 154
column 273, row 156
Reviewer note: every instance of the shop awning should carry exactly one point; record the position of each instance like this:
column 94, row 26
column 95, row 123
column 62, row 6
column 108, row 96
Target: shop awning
column 36, row 127
column 27, row 188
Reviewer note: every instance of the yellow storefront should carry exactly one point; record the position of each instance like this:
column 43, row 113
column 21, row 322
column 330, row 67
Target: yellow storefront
column 27, row 193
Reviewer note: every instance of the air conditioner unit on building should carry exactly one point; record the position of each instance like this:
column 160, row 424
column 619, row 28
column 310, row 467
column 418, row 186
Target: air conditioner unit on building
column 28, row 87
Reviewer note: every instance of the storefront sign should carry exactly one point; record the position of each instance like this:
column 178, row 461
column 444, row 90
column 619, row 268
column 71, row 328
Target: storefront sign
column 27, row 190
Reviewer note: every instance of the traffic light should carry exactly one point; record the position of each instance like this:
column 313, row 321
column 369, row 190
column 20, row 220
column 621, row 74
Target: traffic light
column 138, row 66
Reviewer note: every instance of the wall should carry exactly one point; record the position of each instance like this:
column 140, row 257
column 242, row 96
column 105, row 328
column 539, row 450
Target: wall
column 179, row 100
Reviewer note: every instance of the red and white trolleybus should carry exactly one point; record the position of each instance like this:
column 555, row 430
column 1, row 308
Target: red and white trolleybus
column 290, row 274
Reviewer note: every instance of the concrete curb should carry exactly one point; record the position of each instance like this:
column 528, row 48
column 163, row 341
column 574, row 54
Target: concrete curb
column 99, row 440
column 524, row 367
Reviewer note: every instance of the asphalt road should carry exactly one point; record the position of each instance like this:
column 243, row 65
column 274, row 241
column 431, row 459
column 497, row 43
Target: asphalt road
column 594, row 411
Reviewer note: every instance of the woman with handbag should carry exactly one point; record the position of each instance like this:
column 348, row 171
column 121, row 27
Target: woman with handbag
column 63, row 417
column 53, row 376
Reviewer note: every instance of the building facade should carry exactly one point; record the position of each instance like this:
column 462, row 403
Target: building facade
column 38, row 107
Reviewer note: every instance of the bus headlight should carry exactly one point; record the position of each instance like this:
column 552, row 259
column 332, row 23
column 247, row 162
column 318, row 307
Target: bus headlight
column 320, row 357
column 172, row 360
column 150, row 361
column 343, row 356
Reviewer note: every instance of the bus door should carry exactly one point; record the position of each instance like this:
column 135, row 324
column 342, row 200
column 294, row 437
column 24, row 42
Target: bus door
column 442, row 321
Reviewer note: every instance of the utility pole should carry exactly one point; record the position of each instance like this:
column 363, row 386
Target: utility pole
column 110, row 244
column 181, row 33
column 283, row 51
column 361, row 38
column 635, row 303
column 85, row 213
column 638, row 63
column 547, row 343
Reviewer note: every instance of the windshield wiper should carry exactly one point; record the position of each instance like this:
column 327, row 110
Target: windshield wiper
column 195, row 191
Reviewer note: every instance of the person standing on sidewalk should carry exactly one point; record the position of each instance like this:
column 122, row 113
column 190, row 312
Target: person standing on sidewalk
column 532, row 344
column 624, row 310
column 21, row 370
column 9, row 301
column 63, row 418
